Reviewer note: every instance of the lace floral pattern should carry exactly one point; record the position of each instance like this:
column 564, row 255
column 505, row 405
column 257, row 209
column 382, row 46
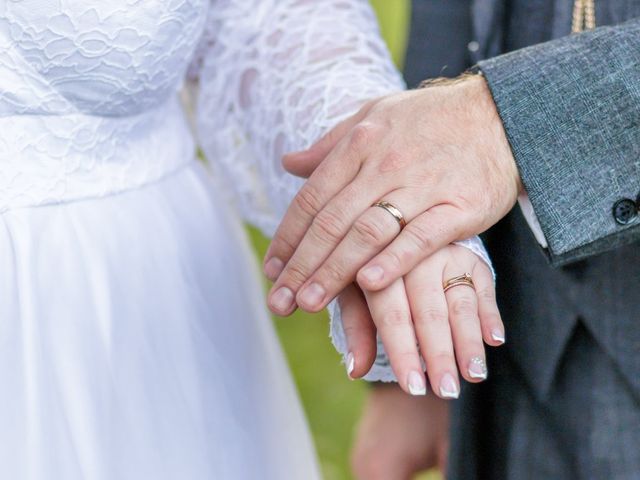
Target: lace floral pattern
column 88, row 96
column 88, row 93
column 114, row 58
column 273, row 77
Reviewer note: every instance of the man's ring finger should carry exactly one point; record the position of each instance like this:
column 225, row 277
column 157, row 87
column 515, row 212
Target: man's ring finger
column 397, row 214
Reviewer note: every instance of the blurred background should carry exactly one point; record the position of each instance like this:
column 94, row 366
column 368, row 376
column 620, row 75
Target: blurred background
column 331, row 401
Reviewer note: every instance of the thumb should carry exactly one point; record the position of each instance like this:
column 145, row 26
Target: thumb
column 304, row 162
column 359, row 330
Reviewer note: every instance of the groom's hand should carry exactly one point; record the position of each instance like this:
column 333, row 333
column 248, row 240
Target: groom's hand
column 438, row 154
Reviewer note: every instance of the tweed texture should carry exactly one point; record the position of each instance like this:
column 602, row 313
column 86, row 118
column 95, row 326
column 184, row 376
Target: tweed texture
column 571, row 110
column 563, row 396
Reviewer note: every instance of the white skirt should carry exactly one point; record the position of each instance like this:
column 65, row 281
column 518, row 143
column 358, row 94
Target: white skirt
column 134, row 344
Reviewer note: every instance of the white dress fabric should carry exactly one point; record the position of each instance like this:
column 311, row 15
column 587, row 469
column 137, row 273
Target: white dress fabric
column 134, row 343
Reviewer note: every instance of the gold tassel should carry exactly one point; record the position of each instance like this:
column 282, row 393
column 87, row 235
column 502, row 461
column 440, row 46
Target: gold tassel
column 584, row 15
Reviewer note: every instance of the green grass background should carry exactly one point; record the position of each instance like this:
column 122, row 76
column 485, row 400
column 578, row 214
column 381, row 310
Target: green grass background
column 332, row 402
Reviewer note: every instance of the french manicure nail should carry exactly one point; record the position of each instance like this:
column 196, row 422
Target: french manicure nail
column 373, row 274
column 312, row 295
column 350, row 363
column 497, row 335
column 417, row 385
column 273, row 268
column 282, row 299
column 449, row 387
column 477, row 368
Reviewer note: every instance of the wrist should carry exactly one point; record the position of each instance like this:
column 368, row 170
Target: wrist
column 499, row 149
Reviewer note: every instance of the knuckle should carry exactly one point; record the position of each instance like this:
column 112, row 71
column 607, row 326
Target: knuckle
column 308, row 200
column 441, row 358
column 362, row 135
column 369, row 232
column 327, row 227
column 393, row 161
column 283, row 246
column 442, row 355
column 418, row 237
column 295, row 275
column 463, row 307
column 394, row 318
column 487, row 294
column 430, row 317
column 333, row 271
column 351, row 331
column 406, row 355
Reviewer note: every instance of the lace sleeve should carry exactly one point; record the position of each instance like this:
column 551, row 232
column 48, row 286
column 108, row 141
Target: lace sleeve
column 274, row 75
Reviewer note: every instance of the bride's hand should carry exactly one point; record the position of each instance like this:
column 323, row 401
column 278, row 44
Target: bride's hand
column 414, row 316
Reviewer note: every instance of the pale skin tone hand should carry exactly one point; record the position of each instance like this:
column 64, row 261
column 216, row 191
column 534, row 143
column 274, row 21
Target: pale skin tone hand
column 416, row 319
column 399, row 435
column 439, row 154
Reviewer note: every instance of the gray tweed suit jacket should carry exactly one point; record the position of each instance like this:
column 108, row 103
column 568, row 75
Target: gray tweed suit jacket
column 563, row 400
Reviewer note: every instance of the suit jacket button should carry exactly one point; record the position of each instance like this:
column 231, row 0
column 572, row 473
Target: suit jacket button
column 625, row 211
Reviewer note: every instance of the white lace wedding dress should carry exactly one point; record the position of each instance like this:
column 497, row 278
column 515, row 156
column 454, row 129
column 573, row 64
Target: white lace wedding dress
column 133, row 339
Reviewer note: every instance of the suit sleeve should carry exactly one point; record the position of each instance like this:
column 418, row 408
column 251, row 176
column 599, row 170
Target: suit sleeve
column 571, row 111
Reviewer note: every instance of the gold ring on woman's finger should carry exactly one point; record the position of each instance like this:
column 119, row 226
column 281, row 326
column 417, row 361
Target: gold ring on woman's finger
column 464, row 279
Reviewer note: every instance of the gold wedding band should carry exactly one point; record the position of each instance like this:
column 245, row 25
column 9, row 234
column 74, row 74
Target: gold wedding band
column 464, row 279
column 397, row 214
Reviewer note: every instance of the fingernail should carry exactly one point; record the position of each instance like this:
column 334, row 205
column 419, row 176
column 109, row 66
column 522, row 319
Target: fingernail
column 273, row 268
column 373, row 274
column 449, row 387
column 417, row 385
column 350, row 363
column 282, row 299
column 312, row 295
column 477, row 368
column 497, row 335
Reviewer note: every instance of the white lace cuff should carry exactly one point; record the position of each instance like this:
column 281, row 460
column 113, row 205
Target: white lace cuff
column 381, row 370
